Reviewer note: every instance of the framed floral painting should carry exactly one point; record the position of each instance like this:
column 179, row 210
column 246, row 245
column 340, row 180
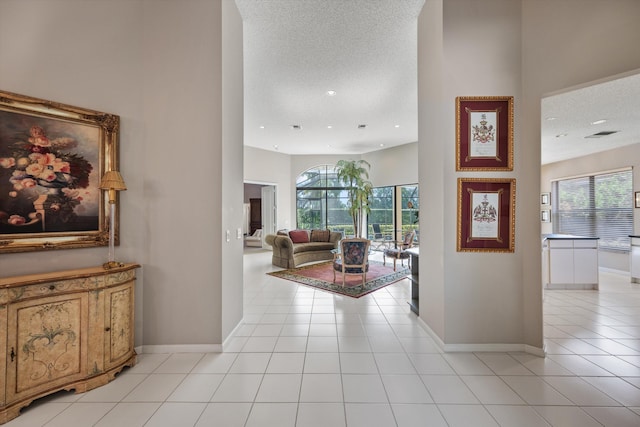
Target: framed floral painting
column 52, row 157
column 486, row 214
column 484, row 133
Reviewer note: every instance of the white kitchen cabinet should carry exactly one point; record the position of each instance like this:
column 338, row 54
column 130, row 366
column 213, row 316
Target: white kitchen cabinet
column 634, row 261
column 571, row 262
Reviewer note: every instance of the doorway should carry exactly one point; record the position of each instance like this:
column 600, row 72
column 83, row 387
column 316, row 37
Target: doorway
column 260, row 209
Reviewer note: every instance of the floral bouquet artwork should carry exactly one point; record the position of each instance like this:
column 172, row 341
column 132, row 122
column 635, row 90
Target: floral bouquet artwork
column 45, row 175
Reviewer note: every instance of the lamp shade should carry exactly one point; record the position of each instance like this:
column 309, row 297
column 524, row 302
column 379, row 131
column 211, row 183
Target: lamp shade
column 112, row 180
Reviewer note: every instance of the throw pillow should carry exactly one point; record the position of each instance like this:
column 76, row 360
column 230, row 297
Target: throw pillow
column 299, row 236
column 320, row 235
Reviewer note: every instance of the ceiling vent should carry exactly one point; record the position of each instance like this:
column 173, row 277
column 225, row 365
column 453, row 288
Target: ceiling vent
column 362, row 126
column 601, row 134
column 296, row 127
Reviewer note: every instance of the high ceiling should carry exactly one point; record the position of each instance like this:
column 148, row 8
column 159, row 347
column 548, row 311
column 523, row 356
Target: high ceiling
column 295, row 51
column 567, row 131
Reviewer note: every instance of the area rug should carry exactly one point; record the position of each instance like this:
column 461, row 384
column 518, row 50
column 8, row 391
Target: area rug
column 320, row 276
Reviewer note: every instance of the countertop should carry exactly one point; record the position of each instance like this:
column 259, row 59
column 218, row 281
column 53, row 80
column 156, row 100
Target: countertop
column 566, row 237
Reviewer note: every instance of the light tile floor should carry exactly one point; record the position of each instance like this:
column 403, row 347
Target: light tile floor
column 307, row 358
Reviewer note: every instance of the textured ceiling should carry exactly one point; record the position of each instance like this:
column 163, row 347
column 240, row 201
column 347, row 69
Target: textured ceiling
column 366, row 50
column 617, row 101
column 297, row 50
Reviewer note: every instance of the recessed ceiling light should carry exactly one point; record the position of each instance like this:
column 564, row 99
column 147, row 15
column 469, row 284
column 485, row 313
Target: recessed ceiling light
column 599, row 122
column 261, row 127
column 381, row 145
column 362, row 126
column 331, row 92
column 601, row 134
column 397, row 126
column 329, row 127
column 275, row 146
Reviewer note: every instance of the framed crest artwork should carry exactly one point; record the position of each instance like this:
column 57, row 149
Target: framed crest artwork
column 484, row 133
column 486, row 214
column 52, row 157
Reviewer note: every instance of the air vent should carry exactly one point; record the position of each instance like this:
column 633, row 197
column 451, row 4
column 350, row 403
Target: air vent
column 601, row 134
column 362, row 126
column 296, row 127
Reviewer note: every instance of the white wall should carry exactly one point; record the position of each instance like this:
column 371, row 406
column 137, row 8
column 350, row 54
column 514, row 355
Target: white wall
column 157, row 65
column 432, row 106
column 269, row 167
column 483, row 291
column 394, row 166
column 88, row 55
column 231, row 300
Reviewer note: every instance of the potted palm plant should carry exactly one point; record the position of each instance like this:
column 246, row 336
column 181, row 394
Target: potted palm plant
column 354, row 174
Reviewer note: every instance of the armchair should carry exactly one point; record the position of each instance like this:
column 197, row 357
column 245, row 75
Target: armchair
column 353, row 258
column 398, row 253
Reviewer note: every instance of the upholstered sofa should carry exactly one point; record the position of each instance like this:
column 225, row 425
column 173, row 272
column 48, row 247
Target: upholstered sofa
column 296, row 247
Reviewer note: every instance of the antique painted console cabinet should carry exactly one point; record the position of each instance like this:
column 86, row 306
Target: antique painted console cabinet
column 67, row 330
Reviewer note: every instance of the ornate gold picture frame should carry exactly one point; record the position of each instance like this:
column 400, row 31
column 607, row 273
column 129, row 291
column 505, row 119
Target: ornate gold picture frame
column 484, row 133
column 486, row 214
column 52, row 157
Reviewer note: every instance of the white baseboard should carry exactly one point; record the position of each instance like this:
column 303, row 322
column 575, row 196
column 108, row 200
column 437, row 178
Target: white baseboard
column 180, row 348
column 614, row 270
column 187, row 348
column 471, row 348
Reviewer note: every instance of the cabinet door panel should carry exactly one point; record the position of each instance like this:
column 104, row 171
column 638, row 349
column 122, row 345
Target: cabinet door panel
column 561, row 266
column 119, row 324
column 586, row 266
column 49, row 346
column 4, row 352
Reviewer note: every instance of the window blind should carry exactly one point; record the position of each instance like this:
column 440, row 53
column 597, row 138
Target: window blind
column 599, row 205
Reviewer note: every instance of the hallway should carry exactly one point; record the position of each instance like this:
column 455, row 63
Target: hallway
column 308, row 358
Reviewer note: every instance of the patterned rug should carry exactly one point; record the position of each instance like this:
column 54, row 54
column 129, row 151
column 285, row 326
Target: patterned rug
column 320, row 276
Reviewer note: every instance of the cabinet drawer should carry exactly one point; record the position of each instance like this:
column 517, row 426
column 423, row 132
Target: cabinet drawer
column 585, row 244
column 560, row 244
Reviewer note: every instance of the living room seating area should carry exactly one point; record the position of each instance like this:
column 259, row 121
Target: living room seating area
column 296, row 247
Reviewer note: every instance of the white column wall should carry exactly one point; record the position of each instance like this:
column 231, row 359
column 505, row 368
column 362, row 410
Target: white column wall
column 482, row 57
column 232, row 166
column 482, row 292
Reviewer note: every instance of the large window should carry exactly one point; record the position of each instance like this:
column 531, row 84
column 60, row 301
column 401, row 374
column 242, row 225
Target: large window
column 410, row 207
column 394, row 211
column 380, row 219
column 599, row 205
column 321, row 201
